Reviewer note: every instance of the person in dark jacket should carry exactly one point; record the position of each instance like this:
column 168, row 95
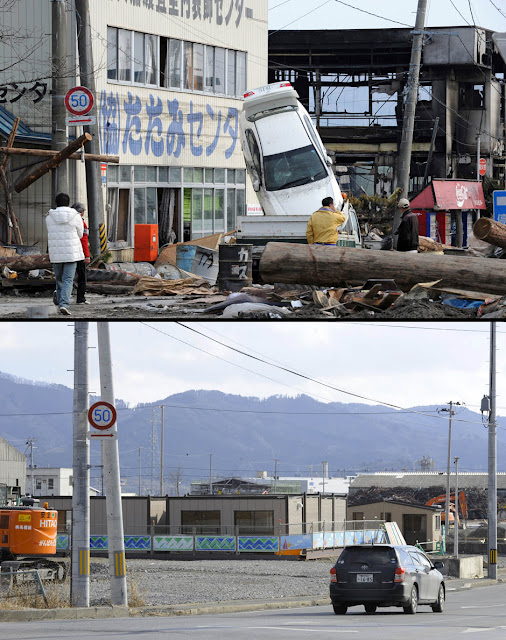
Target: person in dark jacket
column 408, row 232
column 81, row 265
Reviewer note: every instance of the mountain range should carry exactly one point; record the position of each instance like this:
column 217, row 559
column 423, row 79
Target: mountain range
column 225, row 435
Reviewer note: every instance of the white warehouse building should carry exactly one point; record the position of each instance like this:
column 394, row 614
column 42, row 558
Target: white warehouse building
column 170, row 78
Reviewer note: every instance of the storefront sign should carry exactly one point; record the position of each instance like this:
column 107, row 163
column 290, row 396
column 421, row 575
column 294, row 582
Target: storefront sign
column 219, row 12
column 156, row 129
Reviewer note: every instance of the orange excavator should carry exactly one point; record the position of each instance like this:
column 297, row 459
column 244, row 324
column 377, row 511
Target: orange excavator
column 28, row 540
column 442, row 501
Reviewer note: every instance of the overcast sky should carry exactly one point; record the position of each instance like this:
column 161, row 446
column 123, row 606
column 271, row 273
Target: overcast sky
column 405, row 364
column 333, row 14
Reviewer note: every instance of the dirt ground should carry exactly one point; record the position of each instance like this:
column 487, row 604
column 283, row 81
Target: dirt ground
column 23, row 304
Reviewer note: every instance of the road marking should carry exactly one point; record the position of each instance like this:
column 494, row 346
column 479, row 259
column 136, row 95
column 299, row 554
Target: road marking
column 479, row 629
column 281, row 628
column 483, row 606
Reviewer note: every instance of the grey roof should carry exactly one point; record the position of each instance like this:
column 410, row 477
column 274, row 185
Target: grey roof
column 398, row 502
column 423, row 480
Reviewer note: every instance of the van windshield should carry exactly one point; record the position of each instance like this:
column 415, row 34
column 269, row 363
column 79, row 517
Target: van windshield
column 293, row 168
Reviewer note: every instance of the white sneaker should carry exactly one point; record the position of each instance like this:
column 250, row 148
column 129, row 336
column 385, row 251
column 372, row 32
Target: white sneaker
column 64, row 311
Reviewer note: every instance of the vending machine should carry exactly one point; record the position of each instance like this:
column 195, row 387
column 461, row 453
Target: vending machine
column 146, row 243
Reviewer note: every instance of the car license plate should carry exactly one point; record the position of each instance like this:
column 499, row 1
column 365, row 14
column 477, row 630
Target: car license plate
column 364, row 577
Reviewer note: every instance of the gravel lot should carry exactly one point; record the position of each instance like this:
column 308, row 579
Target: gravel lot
column 182, row 582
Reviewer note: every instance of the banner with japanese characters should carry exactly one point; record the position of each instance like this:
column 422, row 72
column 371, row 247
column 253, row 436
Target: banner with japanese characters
column 154, row 128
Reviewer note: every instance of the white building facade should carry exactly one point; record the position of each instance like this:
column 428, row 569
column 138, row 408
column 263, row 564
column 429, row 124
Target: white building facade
column 52, row 481
column 170, row 78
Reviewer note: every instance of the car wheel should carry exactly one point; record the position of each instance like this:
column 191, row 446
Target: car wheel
column 439, row 605
column 412, row 606
column 370, row 608
column 340, row 609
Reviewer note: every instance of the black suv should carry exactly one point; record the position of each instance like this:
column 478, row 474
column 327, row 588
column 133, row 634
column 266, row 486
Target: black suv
column 384, row 575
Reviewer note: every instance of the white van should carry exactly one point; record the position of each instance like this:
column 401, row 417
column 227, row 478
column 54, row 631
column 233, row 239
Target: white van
column 285, row 157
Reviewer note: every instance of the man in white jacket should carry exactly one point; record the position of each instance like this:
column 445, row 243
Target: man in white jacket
column 64, row 233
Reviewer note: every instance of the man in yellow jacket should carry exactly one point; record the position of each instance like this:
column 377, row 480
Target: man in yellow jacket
column 322, row 225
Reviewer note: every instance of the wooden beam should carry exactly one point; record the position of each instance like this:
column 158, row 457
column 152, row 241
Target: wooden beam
column 490, row 231
column 10, row 141
column 5, row 185
column 46, row 153
column 53, row 162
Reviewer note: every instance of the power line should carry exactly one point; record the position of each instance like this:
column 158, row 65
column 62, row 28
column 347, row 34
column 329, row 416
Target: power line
column 496, row 7
column 346, row 4
column 291, row 371
column 300, row 17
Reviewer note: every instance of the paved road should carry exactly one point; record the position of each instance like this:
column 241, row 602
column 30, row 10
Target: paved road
column 475, row 613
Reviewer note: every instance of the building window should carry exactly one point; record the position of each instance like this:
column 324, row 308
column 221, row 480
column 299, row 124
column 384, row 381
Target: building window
column 437, row 523
column 201, row 522
column 254, row 522
column 50, row 483
column 358, row 515
column 149, row 60
column 112, row 53
column 124, row 55
column 38, row 483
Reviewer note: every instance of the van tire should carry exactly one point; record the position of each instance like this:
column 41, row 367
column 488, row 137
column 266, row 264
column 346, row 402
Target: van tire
column 370, row 608
column 439, row 605
column 412, row 605
column 340, row 609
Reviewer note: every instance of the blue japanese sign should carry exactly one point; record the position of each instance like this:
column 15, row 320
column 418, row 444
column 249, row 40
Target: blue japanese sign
column 160, row 128
column 500, row 206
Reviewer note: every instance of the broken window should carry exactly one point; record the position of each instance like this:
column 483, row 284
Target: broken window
column 471, row 96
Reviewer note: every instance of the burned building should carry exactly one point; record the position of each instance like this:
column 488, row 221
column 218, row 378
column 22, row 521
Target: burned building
column 354, row 82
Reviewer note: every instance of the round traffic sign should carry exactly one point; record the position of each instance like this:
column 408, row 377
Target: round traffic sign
column 79, row 101
column 483, row 167
column 102, row 415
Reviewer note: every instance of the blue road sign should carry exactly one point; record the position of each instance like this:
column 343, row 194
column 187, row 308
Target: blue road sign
column 500, row 206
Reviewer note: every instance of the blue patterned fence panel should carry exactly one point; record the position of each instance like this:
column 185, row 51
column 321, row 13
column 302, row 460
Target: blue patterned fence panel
column 317, row 540
column 258, row 543
column 172, row 543
column 62, row 541
column 329, row 540
column 297, row 541
column 339, row 538
column 215, row 543
column 99, row 542
column 138, row 543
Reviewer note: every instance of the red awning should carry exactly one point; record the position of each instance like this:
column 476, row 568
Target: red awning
column 450, row 195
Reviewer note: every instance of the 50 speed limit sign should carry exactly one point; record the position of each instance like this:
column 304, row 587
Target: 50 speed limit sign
column 102, row 415
column 79, row 101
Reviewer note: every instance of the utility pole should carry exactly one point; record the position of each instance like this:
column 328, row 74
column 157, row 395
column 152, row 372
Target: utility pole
column 478, row 157
column 139, row 470
column 80, row 584
column 110, row 460
column 451, row 413
column 29, row 444
column 60, row 182
column 161, row 452
column 98, row 241
column 456, row 516
column 492, row 462
column 431, row 152
column 210, row 474
column 324, row 472
column 275, row 473
column 408, row 121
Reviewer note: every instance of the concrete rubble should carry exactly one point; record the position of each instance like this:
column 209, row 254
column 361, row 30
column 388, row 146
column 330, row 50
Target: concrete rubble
column 143, row 290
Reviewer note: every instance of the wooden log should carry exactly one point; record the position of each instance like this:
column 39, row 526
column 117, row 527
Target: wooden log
column 53, row 162
column 26, row 263
column 490, row 231
column 338, row 266
column 47, row 153
column 109, row 288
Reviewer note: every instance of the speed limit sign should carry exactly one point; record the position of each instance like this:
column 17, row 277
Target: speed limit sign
column 102, row 415
column 79, row 101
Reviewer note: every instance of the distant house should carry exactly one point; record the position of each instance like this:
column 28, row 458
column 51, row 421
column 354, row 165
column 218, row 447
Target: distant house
column 52, row 481
column 265, row 484
column 12, row 470
column 418, row 523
